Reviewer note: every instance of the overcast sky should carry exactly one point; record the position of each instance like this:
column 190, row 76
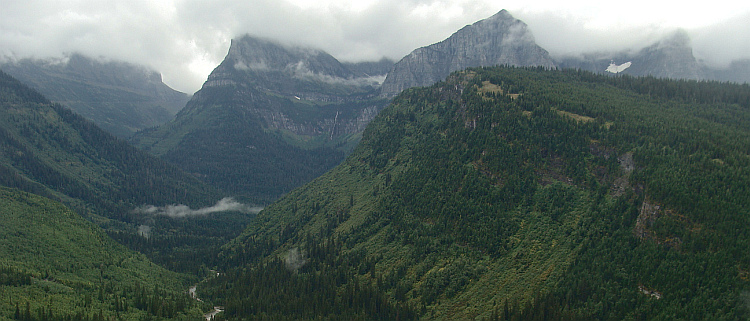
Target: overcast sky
column 186, row 39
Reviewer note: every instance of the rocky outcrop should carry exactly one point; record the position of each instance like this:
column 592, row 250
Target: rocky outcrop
column 497, row 40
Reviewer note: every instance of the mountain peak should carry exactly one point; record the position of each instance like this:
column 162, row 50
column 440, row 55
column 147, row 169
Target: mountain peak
column 500, row 15
column 119, row 96
column 498, row 40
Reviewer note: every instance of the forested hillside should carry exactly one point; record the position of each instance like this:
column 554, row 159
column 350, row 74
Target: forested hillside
column 54, row 265
column 516, row 193
column 48, row 150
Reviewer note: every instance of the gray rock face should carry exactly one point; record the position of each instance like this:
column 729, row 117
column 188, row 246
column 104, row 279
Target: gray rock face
column 497, row 40
column 249, row 53
column 738, row 71
column 378, row 68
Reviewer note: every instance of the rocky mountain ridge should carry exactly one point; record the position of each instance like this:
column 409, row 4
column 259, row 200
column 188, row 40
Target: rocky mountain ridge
column 292, row 71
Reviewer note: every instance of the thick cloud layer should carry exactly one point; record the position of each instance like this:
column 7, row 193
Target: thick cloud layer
column 186, row 39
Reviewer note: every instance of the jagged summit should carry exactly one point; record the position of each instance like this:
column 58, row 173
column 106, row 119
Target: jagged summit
column 501, row 17
column 671, row 57
column 498, row 40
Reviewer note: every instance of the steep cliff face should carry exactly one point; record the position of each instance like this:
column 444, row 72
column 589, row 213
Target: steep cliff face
column 269, row 118
column 497, row 40
column 121, row 98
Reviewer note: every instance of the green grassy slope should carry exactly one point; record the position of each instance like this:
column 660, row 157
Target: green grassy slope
column 508, row 193
column 62, row 266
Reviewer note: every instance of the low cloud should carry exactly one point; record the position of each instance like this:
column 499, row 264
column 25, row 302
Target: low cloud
column 300, row 71
column 295, row 259
column 226, row 204
column 144, row 231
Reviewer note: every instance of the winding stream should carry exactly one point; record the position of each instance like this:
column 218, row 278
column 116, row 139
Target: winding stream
column 209, row 316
